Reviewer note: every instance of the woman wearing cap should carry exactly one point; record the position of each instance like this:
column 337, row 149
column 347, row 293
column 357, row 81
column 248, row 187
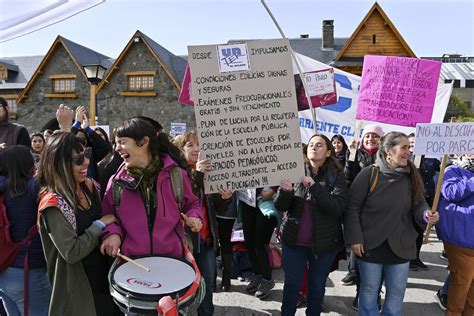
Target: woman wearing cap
column 379, row 223
column 365, row 154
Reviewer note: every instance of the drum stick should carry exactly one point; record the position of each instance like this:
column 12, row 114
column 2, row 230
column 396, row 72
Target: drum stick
column 133, row 262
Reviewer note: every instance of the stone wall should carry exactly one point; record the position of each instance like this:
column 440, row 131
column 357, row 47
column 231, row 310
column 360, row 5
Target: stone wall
column 113, row 108
column 37, row 110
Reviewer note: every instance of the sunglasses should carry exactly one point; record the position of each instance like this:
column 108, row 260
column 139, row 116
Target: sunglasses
column 79, row 159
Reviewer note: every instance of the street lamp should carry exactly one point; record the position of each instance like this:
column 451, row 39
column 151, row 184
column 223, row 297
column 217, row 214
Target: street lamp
column 94, row 74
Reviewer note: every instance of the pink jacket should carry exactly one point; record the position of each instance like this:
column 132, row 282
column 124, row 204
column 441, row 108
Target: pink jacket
column 167, row 235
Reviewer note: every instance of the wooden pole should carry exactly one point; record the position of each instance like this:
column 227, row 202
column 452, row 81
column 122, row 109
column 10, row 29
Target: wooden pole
column 297, row 63
column 353, row 151
column 434, row 208
column 92, row 105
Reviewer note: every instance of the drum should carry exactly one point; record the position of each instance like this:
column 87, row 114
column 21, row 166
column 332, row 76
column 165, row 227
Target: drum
column 139, row 291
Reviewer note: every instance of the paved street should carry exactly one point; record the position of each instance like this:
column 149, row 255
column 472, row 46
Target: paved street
column 419, row 297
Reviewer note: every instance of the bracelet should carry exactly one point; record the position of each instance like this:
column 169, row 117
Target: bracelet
column 99, row 224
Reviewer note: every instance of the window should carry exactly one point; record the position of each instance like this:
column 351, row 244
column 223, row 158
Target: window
column 12, row 106
column 140, row 82
column 374, row 39
column 64, row 85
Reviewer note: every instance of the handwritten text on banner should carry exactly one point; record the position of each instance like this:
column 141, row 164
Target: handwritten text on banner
column 247, row 121
column 398, row 90
column 444, row 139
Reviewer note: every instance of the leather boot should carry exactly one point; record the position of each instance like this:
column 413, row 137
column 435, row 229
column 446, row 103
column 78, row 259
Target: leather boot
column 226, row 272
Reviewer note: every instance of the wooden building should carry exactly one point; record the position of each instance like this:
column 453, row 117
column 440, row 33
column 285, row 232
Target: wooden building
column 375, row 35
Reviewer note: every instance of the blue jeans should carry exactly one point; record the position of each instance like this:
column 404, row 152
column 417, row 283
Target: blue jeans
column 294, row 261
column 11, row 282
column 444, row 289
column 396, row 276
column 206, row 261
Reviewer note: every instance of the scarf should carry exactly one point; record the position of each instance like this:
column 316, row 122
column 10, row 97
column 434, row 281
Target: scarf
column 146, row 176
column 467, row 163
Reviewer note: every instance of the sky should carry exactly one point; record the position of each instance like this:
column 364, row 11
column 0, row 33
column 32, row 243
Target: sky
column 430, row 27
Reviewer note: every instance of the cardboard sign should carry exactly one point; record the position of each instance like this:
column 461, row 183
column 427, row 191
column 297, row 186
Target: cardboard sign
column 321, row 89
column 398, row 90
column 444, row 139
column 247, row 121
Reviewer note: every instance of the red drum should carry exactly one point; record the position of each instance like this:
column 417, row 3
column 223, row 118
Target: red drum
column 177, row 282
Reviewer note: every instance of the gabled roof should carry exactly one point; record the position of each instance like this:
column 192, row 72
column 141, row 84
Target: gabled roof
column 85, row 56
column 22, row 68
column 173, row 65
column 311, row 47
column 378, row 8
column 81, row 56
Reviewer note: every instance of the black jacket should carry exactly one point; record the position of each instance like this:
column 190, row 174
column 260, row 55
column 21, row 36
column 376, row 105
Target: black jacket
column 215, row 204
column 362, row 159
column 327, row 196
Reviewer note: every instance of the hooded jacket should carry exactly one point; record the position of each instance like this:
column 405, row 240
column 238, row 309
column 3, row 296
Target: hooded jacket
column 387, row 213
column 167, row 233
column 456, row 207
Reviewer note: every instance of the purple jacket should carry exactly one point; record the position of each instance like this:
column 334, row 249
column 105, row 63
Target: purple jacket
column 167, row 236
column 456, row 207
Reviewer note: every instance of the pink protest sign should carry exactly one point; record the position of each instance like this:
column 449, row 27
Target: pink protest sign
column 185, row 93
column 398, row 90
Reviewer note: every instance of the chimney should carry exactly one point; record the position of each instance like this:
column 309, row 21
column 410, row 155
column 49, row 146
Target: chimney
column 328, row 34
column 304, row 35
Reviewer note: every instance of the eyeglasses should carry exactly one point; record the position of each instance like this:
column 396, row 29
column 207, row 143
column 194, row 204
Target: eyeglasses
column 79, row 159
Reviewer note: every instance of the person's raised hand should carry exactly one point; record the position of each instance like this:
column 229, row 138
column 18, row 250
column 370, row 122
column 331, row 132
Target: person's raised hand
column 64, row 116
column 203, row 165
column 225, row 193
column 286, row 185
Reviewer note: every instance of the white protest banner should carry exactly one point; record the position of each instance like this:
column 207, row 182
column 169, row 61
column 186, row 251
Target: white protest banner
column 398, row 90
column 177, row 129
column 247, row 121
column 444, row 139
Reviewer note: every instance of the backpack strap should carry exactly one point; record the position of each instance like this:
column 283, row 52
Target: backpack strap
column 374, row 177
column 117, row 191
column 177, row 183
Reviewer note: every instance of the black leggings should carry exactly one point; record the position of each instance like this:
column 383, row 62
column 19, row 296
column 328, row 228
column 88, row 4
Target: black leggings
column 258, row 230
column 225, row 226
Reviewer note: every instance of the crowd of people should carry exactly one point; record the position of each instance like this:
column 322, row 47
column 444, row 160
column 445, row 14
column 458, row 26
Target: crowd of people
column 83, row 203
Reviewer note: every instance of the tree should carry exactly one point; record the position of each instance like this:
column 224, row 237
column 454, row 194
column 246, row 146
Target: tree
column 459, row 110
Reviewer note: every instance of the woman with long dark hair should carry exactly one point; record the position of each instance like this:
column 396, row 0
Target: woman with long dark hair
column 145, row 179
column 312, row 230
column 340, row 148
column 70, row 226
column 384, row 201
column 20, row 191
